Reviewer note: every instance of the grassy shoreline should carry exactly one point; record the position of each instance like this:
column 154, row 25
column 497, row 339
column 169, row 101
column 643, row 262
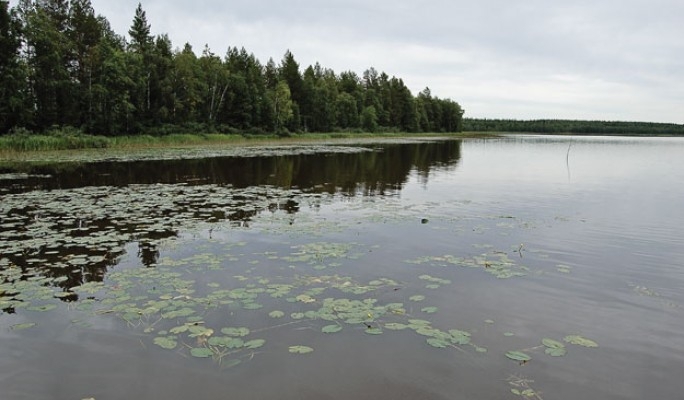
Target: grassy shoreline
column 20, row 144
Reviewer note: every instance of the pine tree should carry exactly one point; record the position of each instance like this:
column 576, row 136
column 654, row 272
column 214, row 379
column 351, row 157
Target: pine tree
column 12, row 73
column 141, row 40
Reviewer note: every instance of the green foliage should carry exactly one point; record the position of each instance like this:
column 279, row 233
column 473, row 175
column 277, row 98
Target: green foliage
column 518, row 356
column 580, row 341
column 300, row 349
column 74, row 71
column 12, row 69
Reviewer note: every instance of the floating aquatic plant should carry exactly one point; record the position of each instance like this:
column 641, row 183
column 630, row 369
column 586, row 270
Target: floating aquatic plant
column 300, row 349
column 518, row 356
column 580, row 341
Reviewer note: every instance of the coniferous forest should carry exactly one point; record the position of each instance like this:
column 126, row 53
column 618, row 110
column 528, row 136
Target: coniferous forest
column 62, row 67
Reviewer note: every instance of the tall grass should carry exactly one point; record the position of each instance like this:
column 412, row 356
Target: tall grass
column 72, row 139
column 47, row 142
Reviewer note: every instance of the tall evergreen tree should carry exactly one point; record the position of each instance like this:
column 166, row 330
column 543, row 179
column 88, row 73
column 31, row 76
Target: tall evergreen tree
column 84, row 34
column 289, row 72
column 141, row 39
column 12, row 72
column 141, row 67
column 49, row 52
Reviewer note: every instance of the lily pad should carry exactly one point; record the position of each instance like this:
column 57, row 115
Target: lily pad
column 254, row 344
column 552, row 344
column 459, row 337
column 439, row 343
column 238, row 332
column 300, row 349
column 165, row 342
column 200, row 331
column 518, row 356
column 26, row 325
column 331, row 328
column 276, row 314
column 179, row 329
column 394, row 326
column 418, row 297
column 556, row 352
column 580, row 341
column 201, row 352
column 429, row 310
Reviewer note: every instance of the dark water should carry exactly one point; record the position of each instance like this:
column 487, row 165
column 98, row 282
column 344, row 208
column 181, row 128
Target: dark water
column 527, row 238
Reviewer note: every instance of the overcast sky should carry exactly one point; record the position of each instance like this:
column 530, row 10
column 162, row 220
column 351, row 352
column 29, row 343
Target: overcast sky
column 521, row 59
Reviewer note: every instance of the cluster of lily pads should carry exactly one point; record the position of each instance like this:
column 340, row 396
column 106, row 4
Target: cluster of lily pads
column 80, row 233
column 552, row 347
column 63, row 249
column 180, row 314
column 497, row 263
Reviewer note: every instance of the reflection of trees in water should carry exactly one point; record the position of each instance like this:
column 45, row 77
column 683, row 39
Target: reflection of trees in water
column 148, row 253
column 383, row 170
column 69, row 261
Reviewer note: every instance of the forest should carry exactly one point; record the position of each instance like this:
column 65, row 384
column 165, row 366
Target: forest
column 574, row 127
column 63, row 69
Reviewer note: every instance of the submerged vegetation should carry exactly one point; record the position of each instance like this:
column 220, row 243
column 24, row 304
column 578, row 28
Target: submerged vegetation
column 62, row 68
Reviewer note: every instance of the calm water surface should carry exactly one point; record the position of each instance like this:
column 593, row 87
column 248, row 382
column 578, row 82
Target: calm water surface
column 507, row 241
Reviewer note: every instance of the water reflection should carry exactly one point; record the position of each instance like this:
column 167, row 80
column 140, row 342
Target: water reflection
column 377, row 172
column 70, row 223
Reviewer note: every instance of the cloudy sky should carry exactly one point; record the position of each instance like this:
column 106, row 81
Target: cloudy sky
column 521, row 59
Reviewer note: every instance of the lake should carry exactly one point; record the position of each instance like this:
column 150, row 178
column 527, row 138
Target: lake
column 532, row 267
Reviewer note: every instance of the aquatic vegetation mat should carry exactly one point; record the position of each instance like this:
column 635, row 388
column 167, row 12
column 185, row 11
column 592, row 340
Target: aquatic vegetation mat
column 227, row 274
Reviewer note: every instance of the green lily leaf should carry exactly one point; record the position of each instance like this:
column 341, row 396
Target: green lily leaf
column 26, row 325
column 518, row 356
column 580, row 341
column 331, row 328
column 552, row 344
column 300, row 349
column 556, row 352
column 201, row 352
column 393, row 326
column 239, row 332
column 254, row 344
column 439, row 343
column 165, row 342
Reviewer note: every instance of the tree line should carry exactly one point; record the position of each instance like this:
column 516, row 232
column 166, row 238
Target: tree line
column 63, row 67
column 572, row 127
